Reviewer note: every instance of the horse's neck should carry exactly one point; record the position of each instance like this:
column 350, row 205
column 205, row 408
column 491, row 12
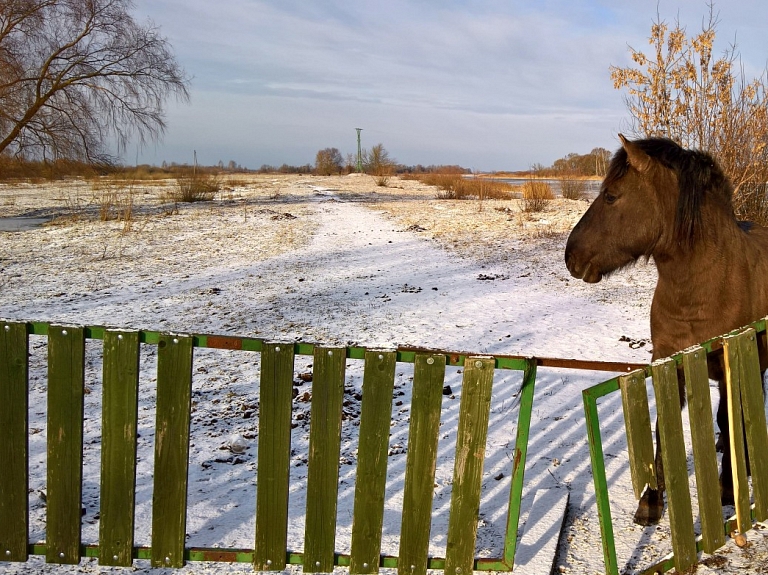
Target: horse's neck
column 714, row 284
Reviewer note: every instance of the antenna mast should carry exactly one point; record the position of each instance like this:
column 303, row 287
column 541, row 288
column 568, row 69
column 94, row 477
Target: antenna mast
column 359, row 152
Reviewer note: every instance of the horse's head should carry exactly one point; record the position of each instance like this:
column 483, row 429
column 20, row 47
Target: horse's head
column 627, row 219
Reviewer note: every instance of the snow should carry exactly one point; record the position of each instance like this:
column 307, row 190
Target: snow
column 337, row 261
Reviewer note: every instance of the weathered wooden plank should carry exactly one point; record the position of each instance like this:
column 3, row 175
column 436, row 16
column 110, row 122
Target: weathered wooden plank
column 637, row 422
column 752, row 403
column 66, row 385
column 468, row 467
column 673, row 454
column 733, row 378
column 426, row 399
column 273, row 475
column 14, row 475
column 371, row 479
column 323, row 463
column 169, row 497
column 120, row 400
column 704, row 454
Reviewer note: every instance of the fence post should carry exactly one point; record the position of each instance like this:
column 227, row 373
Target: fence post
column 371, row 479
column 468, row 467
column 118, row 452
column 673, row 454
column 274, row 457
column 14, row 413
column 323, row 462
column 428, row 378
column 169, row 497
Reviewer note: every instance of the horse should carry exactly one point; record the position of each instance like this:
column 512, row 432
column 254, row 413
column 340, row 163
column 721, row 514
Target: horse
column 662, row 202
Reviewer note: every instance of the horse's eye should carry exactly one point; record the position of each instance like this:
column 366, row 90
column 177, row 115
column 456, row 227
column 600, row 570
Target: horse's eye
column 609, row 198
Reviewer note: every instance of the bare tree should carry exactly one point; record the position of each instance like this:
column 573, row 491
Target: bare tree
column 682, row 92
column 328, row 161
column 377, row 161
column 77, row 76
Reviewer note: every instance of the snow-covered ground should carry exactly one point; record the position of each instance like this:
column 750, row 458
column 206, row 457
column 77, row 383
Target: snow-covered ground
column 334, row 260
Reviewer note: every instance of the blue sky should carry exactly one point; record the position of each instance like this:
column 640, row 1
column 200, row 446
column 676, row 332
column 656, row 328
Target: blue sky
column 488, row 85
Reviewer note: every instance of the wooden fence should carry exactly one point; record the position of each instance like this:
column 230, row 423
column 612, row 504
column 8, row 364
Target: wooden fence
column 747, row 416
column 121, row 349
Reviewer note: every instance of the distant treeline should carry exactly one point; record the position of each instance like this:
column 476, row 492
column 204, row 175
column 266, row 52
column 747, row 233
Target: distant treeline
column 11, row 168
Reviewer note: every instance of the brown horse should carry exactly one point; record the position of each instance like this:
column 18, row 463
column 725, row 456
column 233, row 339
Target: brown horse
column 664, row 202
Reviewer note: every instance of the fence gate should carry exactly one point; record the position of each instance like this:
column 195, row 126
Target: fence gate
column 120, row 384
column 739, row 353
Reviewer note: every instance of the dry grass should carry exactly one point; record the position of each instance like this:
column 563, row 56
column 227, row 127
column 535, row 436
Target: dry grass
column 196, row 187
column 457, row 187
column 573, row 188
column 536, row 196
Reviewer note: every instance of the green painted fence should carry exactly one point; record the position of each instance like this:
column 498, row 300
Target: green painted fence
column 121, row 352
column 739, row 351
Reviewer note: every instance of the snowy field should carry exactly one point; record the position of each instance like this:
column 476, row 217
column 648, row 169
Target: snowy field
column 338, row 261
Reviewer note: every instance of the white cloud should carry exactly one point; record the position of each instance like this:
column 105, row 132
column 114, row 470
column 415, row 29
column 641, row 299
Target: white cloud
column 490, row 85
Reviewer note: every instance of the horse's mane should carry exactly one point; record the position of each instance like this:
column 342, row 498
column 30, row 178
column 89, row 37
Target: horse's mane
column 699, row 177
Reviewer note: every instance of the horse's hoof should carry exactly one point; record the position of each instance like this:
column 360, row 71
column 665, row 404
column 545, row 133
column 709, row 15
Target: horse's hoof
column 649, row 513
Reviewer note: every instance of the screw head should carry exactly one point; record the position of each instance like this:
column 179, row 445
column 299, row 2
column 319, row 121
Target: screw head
column 430, row 360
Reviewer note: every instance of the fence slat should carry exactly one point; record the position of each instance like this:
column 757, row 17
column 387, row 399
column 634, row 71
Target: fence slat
column 323, row 460
column 371, row 479
column 736, row 432
column 169, row 497
column 14, row 475
column 704, row 454
column 118, row 452
column 66, row 383
column 426, row 399
column 468, row 468
column 637, row 422
column 752, row 403
column 274, row 457
column 673, row 454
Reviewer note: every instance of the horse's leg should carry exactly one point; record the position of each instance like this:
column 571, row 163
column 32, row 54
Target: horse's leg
column 651, row 505
column 726, row 477
column 724, row 443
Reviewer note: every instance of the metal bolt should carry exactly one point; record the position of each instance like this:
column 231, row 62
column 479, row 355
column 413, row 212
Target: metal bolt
column 381, row 357
column 330, row 353
column 120, row 336
column 317, row 563
column 269, row 562
column 175, row 340
column 430, row 360
column 167, row 559
column 478, row 364
column 61, row 554
column 414, row 566
column 114, row 557
column 63, row 332
column 458, row 569
column 7, row 551
column 277, row 348
column 365, row 565
column 7, row 328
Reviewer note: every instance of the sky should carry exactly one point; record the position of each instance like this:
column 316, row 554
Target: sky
column 488, row 85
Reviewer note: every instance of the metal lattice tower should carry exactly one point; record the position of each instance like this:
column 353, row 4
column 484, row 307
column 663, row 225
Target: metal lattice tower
column 359, row 152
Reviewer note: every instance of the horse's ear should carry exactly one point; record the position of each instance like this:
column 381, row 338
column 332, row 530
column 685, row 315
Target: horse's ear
column 638, row 159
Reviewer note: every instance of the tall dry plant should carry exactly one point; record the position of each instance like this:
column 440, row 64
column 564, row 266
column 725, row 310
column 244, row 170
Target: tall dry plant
column 682, row 92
